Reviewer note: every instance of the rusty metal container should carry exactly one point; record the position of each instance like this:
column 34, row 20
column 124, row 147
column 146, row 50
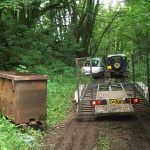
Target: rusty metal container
column 23, row 96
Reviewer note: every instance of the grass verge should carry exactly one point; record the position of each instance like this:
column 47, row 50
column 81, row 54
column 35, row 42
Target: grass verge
column 60, row 95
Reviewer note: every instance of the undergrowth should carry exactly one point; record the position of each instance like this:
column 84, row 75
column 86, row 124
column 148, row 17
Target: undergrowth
column 103, row 143
column 13, row 138
column 60, row 94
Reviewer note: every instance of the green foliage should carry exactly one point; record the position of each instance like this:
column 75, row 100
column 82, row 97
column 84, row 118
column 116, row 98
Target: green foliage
column 31, row 46
column 21, row 68
column 31, row 40
column 103, row 143
column 141, row 73
column 128, row 32
column 8, row 4
column 60, row 94
column 9, row 139
column 13, row 138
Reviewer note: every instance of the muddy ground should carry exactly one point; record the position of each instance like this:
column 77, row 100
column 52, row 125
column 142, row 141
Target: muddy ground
column 113, row 133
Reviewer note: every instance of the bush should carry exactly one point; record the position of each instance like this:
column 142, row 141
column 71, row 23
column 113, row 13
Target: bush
column 60, row 94
column 9, row 139
column 13, row 138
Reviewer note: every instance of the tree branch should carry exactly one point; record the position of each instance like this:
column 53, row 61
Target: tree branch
column 131, row 38
column 58, row 5
column 104, row 31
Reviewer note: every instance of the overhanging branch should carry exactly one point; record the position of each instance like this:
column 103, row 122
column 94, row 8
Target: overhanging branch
column 58, row 5
column 104, row 31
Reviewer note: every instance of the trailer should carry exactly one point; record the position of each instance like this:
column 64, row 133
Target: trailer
column 106, row 96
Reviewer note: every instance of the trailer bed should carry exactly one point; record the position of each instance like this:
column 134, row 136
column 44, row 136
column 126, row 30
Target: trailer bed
column 111, row 94
column 115, row 96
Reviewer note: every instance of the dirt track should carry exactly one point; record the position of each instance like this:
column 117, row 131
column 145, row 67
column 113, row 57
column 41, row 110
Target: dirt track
column 78, row 136
column 118, row 133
